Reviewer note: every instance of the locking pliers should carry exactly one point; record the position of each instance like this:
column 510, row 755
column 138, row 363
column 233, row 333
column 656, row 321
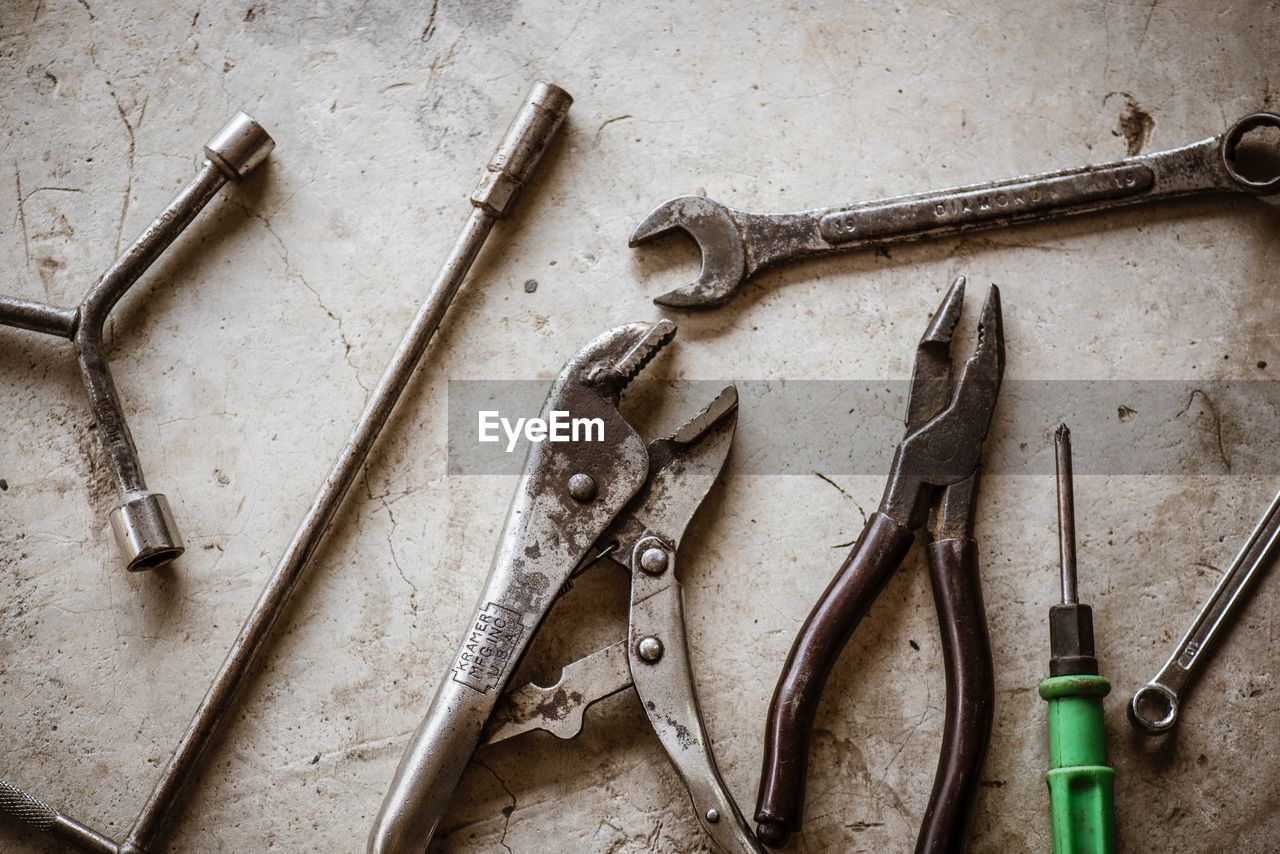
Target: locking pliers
column 933, row 481
column 577, row 502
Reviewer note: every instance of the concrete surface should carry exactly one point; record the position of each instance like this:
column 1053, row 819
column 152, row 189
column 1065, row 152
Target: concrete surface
column 245, row 354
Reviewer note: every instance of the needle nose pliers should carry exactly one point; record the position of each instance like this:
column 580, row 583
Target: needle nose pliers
column 933, row 483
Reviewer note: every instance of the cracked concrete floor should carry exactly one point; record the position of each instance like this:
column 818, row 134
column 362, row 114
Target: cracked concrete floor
column 244, row 355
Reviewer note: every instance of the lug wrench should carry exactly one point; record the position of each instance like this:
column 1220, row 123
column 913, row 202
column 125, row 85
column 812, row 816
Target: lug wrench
column 145, row 531
column 737, row 244
column 1154, row 707
column 532, row 129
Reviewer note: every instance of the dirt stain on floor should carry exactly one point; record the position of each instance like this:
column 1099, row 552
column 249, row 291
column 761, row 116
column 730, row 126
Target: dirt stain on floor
column 1135, row 124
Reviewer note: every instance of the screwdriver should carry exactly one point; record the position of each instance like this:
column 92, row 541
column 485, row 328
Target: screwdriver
column 1080, row 782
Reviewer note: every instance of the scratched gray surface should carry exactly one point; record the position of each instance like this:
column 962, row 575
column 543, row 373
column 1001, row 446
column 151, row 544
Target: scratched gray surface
column 245, row 354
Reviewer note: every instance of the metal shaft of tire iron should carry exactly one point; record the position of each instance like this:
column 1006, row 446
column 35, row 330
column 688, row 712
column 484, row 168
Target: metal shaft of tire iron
column 142, row 522
column 531, row 131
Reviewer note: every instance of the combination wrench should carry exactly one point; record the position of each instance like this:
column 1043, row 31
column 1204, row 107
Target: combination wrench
column 738, row 244
column 1154, row 707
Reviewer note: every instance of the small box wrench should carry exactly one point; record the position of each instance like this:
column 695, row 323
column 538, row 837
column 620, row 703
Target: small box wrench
column 145, row 531
column 1154, row 707
column 737, row 244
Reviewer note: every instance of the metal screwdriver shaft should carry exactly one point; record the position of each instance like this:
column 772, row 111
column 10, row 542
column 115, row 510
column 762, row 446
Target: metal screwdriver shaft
column 1080, row 782
column 1070, row 624
column 1066, row 515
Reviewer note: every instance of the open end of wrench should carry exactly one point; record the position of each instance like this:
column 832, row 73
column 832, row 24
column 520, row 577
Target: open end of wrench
column 719, row 238
column 1153, row 709
column 1251, row 153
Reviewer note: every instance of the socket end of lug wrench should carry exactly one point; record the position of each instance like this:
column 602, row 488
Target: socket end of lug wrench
column 145, row 531
column 530, row 133
column 239, row 147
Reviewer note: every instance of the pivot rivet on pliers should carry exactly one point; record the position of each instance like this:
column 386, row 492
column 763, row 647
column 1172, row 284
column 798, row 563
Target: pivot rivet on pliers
column 713, row 815
column 582, row 487
column 653, row 561
column 650, row 649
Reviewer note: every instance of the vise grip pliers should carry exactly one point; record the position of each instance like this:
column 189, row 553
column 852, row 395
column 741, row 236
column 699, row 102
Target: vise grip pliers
column 933, row 481
column 577, row 502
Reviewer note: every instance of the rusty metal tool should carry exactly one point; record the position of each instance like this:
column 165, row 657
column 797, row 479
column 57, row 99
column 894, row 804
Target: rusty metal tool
column 531, row 131
column 142, row 521
column 933, row 483
column 736, row 244
column 1154, row 707
column 576, row 503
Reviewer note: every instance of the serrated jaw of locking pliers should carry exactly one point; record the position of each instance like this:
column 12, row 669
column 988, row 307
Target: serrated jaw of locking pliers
column 612, row 360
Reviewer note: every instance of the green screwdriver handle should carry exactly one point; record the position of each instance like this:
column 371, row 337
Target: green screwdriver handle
column 1080, row 782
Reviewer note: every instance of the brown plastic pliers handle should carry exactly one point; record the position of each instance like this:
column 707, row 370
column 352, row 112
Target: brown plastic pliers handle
column 966, row 647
